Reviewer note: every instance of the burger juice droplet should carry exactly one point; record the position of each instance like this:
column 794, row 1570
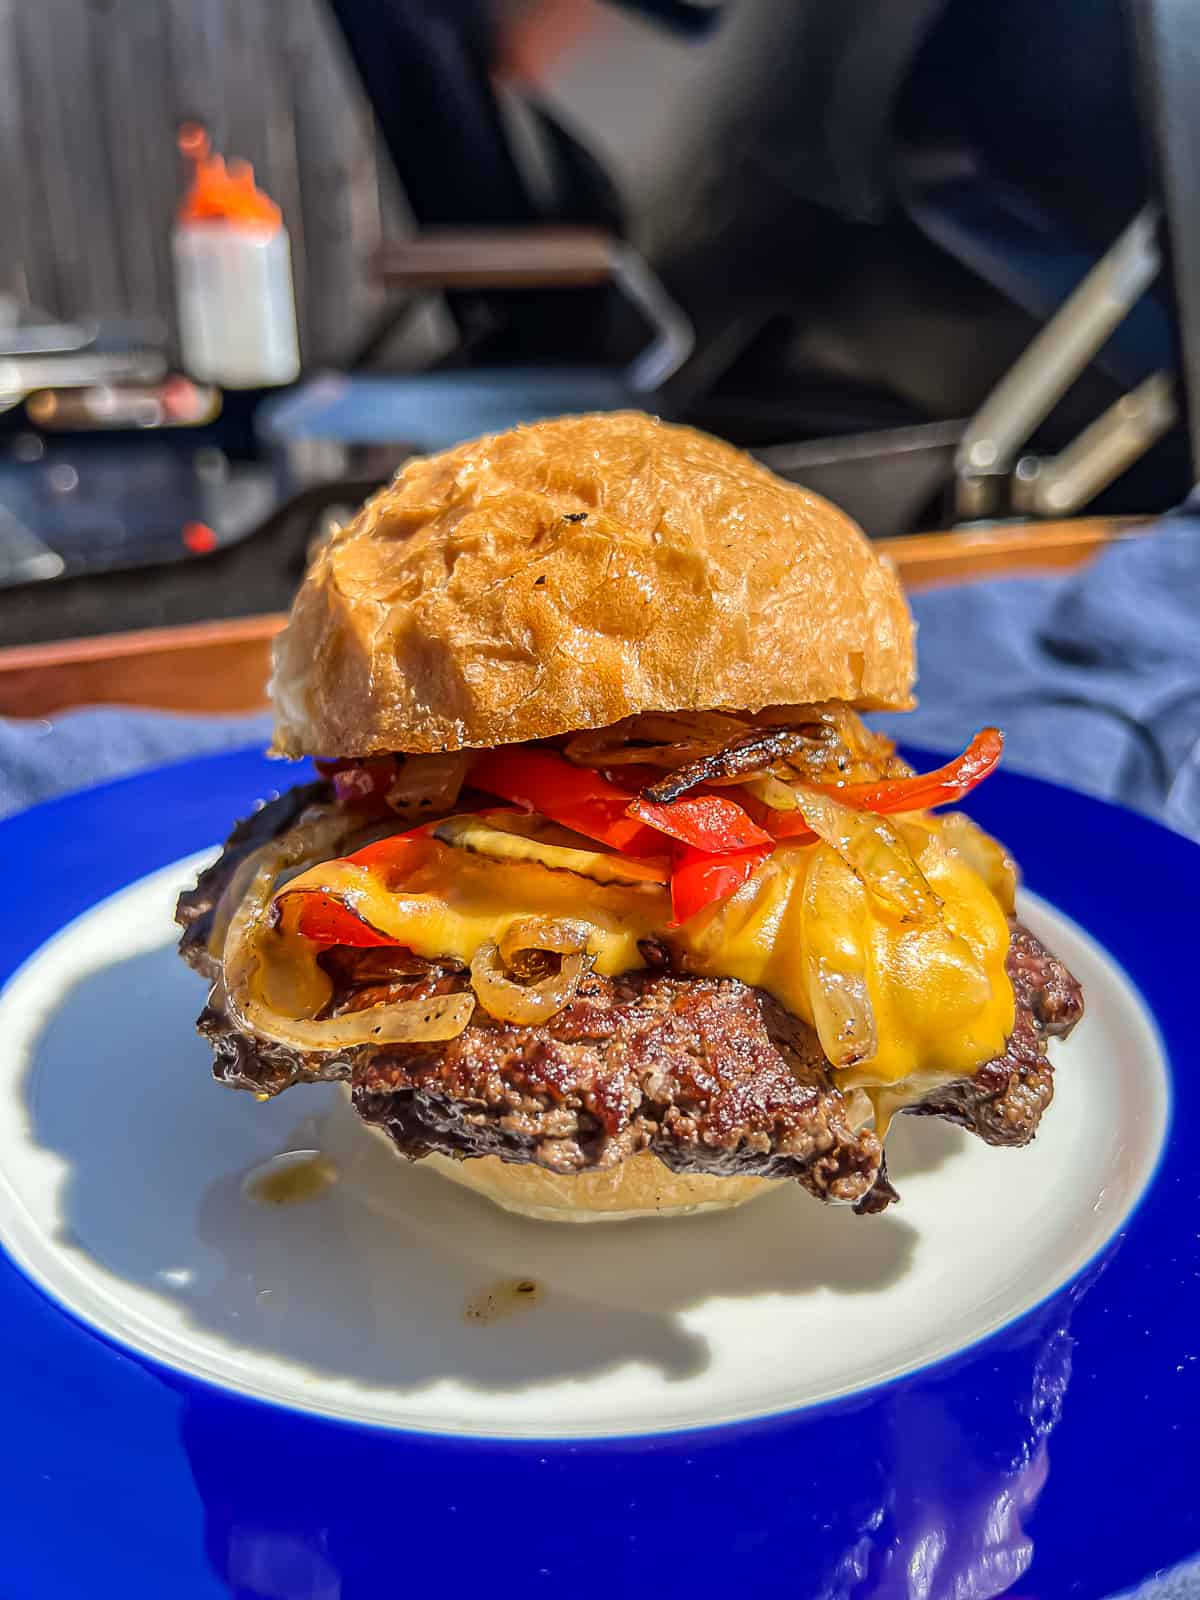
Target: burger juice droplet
column 293, row 1178
column 502, row 1299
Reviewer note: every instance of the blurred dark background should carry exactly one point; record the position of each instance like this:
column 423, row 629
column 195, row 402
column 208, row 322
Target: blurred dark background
column 824, row 231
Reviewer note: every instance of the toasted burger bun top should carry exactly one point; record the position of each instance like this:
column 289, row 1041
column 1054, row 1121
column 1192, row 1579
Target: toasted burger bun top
column 571, row 573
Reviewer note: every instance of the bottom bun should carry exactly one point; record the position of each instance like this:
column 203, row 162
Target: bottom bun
column 639, row 1187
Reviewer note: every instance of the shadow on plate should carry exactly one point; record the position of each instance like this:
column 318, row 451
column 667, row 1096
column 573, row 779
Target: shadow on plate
column 370, row 1280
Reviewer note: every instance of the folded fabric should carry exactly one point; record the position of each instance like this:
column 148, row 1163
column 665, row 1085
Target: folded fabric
column 1095, row 677
column 73, row 750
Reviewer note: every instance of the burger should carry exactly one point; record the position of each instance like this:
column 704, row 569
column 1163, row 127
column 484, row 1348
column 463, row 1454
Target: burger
column 605, row 902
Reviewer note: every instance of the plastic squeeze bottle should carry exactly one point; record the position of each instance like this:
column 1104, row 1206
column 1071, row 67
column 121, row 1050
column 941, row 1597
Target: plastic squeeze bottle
column 233, row 275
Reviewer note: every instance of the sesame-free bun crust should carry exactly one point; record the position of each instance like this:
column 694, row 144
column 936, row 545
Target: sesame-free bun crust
column 638, row 1187
column 571, row 573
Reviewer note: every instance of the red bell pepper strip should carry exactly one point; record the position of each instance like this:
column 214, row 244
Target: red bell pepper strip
column 699, row 878
column 942, row 787
column 789, row 825
column 585, row 800
column 576, row 797
column 711, row 823
column 397, row 854
column 325, row 920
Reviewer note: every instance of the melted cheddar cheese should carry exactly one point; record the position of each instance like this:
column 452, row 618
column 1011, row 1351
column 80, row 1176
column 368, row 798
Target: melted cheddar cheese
column 801, row 928
column 453, row 902
column 938, row 989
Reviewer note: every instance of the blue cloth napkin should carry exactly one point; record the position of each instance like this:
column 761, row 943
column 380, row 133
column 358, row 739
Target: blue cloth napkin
column 1095, row 678
column 40, row 759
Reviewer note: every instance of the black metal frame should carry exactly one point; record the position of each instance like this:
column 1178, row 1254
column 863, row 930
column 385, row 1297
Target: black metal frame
column 1168, row 45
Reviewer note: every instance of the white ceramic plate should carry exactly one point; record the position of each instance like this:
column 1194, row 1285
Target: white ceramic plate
column 364, row 1301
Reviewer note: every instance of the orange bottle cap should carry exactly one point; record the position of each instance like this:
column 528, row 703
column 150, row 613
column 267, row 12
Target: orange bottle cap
column 218, row 193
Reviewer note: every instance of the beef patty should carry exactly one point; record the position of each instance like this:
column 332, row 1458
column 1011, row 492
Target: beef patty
column 709, row 1074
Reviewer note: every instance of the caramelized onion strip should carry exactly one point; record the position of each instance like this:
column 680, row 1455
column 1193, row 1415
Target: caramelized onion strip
column 526, row 1003
column 427, row 785
column 753, row 752
column 404, row 1022
column 842, row 1014
column 521, row 1003
column 655, row 739
column 318, row 834
column 772, row 791
column 877, row 855
column 807, row 743
column 835, row 961
column 564, row 936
